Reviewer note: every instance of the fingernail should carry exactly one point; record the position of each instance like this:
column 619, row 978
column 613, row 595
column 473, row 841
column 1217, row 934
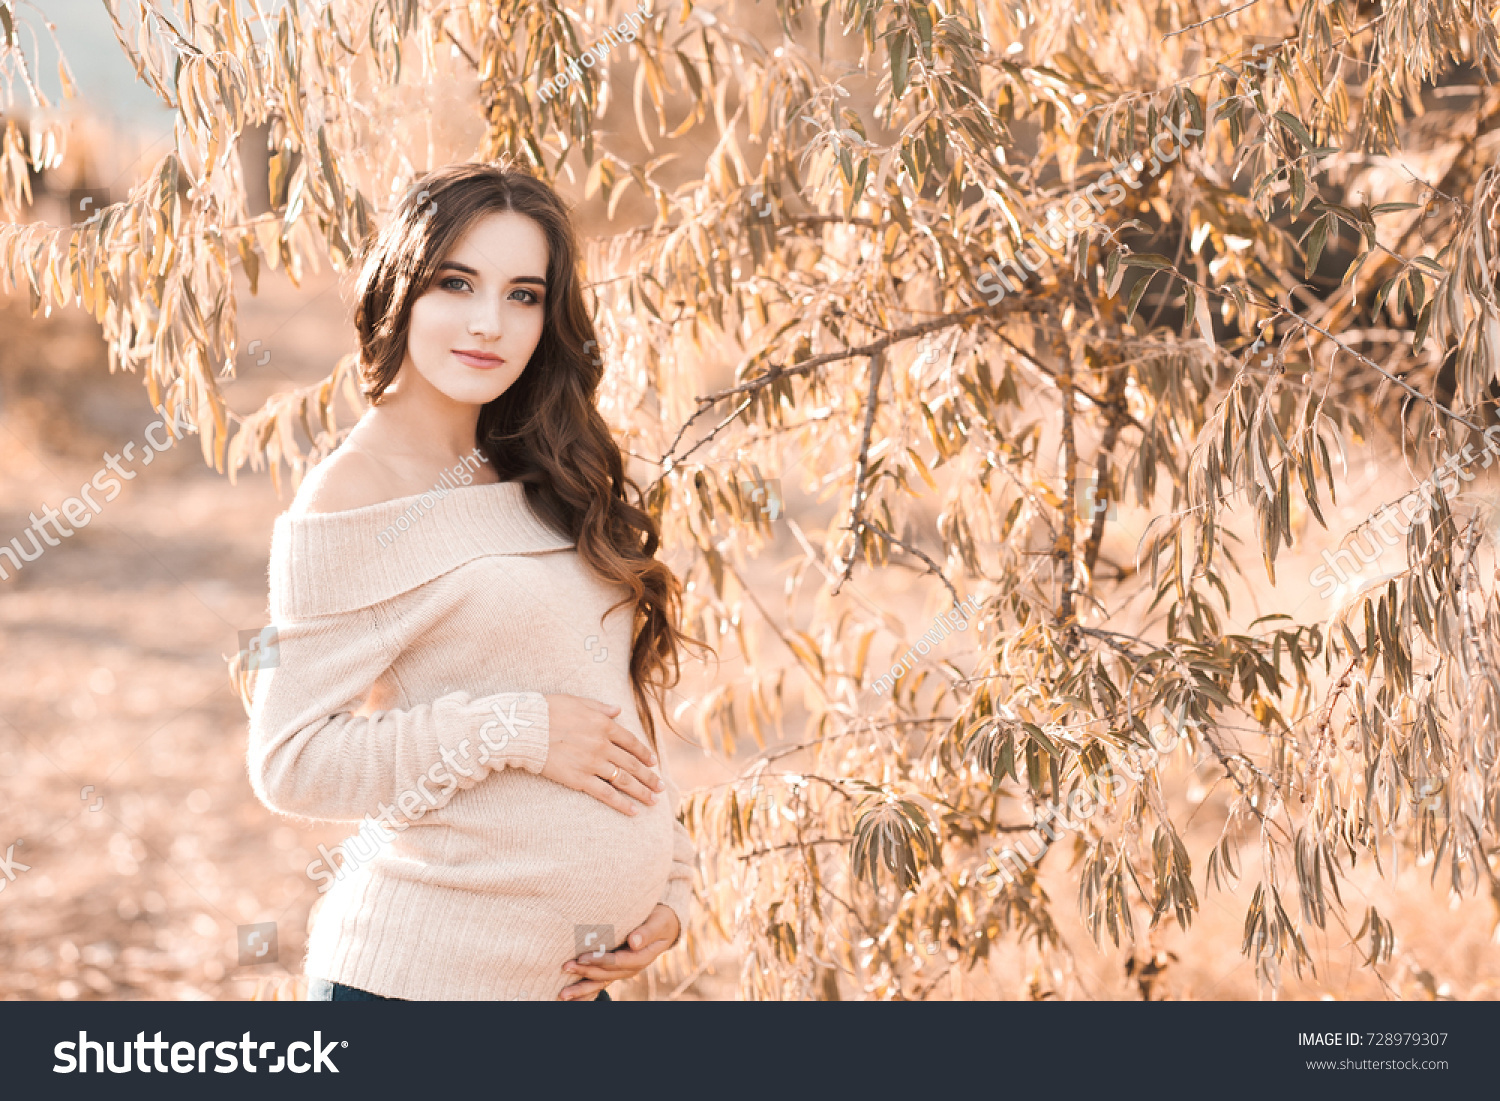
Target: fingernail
column 632, row 810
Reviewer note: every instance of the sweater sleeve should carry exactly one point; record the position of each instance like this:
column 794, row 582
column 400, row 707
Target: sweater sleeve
column 679, row 891
column 311, row 755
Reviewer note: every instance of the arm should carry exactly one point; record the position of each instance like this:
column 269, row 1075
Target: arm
column 310, row 754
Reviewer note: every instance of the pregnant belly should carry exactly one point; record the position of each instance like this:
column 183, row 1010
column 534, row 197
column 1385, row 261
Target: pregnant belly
column 519, row 835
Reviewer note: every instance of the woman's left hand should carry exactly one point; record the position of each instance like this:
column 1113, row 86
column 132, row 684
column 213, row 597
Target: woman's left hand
column 654, row 936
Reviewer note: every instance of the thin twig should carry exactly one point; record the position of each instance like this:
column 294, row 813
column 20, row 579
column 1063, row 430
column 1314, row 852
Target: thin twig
column 1114, row 400
column 797, row 845
column 932, row 567
column 1210, row 19
column 778, row 372
column 862, row 466
column 1065, row 544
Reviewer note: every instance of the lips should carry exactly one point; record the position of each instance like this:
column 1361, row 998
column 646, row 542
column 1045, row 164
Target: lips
column 479, row 360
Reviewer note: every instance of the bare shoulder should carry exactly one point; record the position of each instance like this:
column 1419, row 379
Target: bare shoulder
column 347, row 479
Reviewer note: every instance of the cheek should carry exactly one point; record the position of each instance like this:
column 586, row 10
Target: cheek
column 429, row 321
column 525, row 324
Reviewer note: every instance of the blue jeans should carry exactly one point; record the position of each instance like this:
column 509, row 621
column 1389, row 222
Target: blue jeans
column 321, row 990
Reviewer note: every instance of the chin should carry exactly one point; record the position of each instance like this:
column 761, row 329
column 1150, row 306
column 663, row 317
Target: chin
column 479, row 388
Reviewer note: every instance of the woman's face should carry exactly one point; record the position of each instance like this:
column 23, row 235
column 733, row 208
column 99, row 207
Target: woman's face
column 474, row 329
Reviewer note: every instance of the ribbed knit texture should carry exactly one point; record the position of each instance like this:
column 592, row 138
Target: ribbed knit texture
column 398, row 652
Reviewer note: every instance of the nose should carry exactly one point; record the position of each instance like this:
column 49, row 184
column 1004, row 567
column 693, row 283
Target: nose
column 484, row 322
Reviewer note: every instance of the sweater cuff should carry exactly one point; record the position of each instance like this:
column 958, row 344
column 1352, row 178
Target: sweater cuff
column 678, row 894
column 515, row 731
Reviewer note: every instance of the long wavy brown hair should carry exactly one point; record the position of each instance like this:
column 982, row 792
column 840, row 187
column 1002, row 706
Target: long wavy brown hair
column 546, row 430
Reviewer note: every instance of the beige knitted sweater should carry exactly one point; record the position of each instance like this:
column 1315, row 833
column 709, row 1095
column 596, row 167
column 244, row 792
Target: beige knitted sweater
column 398, row 661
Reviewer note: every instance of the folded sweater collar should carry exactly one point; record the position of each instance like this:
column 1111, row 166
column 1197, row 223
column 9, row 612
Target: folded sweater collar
column 324, row 563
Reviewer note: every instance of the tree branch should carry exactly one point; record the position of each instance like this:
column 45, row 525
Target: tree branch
column 862, row 466
column 1067, row 458
column 778, row 372
column 1114, row 402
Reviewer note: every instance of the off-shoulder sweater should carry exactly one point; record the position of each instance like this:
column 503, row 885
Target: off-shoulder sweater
column 402, row 681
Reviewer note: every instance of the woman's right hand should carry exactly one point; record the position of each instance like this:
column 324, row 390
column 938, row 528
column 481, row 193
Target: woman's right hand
column 585, row 745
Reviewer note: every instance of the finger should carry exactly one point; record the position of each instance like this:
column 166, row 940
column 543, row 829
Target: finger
column 607, row 794
column 630, row 763
column 633, row 779
column 637, row 960
column 631, row 744
column 661, row 923
column 599, row 705
column 580, row 990
column 606, row 974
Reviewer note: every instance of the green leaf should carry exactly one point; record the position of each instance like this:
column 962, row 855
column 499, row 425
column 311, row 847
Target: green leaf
column 1294, row 124
column 900, row 60
column 1317, row 240
column 1355, row 265
column 1042, row 740
column 1424, row 320
column 1148, row 260
column 923, row 17
column 1136, row 294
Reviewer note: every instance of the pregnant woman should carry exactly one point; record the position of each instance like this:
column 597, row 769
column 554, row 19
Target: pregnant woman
column 472, row 666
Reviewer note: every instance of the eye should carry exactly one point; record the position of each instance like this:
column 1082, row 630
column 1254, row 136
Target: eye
column 453, row 279
column 531, row 299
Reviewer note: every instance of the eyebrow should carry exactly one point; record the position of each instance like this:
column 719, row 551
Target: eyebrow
column 466, row 270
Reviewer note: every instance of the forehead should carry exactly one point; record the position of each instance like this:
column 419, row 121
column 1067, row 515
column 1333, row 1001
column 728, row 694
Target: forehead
column 502, row 243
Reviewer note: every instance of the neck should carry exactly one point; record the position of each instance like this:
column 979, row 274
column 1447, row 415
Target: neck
column 421, row 421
